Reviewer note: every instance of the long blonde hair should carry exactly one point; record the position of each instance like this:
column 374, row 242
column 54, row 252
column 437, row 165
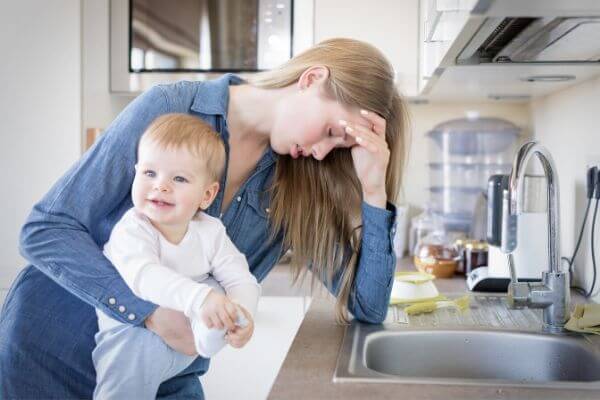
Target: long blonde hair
column 317, row 203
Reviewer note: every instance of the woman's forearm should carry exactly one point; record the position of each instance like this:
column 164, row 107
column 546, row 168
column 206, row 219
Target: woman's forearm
column 372, row 287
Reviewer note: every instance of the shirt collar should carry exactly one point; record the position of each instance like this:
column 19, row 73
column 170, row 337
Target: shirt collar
column 212, row 97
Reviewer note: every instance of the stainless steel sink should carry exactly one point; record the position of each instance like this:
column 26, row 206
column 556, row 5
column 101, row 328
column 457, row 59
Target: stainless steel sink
column 486, row 345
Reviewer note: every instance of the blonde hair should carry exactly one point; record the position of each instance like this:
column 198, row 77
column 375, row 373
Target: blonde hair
column 317, row 203
column 183, row 131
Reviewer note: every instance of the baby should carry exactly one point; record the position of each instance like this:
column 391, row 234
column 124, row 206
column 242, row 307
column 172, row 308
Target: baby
column 168, row 251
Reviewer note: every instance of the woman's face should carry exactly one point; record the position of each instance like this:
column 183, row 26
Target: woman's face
column 307, row 124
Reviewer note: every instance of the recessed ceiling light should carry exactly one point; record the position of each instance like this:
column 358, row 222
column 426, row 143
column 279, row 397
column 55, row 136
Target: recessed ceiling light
column 548, row 78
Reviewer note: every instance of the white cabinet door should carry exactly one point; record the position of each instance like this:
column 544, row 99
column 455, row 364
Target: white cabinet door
column 249, row 372
column 390, row 25
column 440, row 22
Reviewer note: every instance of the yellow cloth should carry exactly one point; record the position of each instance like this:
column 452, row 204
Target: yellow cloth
column 398, row 301
column 585, row 318
column 461, row 304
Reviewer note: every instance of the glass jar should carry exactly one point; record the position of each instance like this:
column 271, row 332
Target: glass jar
column 436, row 254
column 422, row 225
column 475, row 255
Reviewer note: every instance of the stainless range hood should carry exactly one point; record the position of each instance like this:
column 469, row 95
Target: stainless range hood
column 534, row 40
column 531, row 31
column 513, row 50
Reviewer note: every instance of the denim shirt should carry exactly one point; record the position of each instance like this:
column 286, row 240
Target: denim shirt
column 65, row 232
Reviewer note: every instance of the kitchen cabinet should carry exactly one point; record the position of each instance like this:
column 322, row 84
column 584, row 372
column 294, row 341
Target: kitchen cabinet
column 440, row 22
column 390, row 25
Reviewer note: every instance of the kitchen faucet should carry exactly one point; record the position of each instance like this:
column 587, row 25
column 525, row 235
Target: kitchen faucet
column 552, row 293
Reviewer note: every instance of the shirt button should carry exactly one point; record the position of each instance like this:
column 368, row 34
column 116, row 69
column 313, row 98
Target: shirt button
column 267, row 210
column 122, row 308
column 239, row 198
column 131, row 317
column 112, row 301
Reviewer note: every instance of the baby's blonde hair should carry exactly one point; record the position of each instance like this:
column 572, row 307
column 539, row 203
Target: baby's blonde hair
column 183, row 131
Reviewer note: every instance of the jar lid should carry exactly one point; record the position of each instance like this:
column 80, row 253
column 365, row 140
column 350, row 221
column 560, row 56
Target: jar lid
column 476, row 245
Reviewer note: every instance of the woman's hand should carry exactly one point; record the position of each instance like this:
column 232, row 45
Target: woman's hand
column 174, row 328
column 239, row 336
column 371, row 156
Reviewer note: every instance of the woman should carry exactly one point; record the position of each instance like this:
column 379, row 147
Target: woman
column 314, row 157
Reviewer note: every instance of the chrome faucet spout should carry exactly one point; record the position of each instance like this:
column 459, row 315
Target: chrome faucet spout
column 552, row 294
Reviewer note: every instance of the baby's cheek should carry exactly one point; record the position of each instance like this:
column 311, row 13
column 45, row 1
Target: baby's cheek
column 135, row 193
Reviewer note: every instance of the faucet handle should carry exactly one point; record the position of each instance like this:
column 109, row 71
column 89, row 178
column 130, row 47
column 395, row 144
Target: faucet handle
column 518, row 294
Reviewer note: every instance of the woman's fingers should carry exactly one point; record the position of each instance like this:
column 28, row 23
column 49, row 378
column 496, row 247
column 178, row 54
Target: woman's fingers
column 364, row 132
column 377, row 122
column 365, row 138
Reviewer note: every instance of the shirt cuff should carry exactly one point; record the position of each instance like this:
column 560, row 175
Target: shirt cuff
column 195, row 305
column 120, row 303
column 379, row 227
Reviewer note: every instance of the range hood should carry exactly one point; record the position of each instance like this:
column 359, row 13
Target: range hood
column 534, row 31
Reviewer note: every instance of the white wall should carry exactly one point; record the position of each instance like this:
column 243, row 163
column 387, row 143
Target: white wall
column 100, row 107
column 390, row 25
column 40, row 109
column 568, row 123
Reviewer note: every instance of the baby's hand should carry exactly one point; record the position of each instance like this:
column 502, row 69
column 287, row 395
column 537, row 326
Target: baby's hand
column 239, row 336
column 218, row 311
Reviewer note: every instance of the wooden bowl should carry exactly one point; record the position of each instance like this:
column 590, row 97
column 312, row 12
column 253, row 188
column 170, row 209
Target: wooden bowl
column 436, row 267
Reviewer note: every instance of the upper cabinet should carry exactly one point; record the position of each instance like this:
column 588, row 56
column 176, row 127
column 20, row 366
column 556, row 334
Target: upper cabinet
column 440, row 22
column 390, row 25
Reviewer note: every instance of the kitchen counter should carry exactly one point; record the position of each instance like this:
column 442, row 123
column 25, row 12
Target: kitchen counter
column 308, row 369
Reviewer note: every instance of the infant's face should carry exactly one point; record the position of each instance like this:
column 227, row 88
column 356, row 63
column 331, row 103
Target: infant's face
column 168, row 184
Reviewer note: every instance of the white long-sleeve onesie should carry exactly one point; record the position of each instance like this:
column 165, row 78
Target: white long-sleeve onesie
column 178, row 276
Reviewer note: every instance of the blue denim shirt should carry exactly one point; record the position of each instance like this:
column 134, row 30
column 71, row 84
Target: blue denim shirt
column 65, row 232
